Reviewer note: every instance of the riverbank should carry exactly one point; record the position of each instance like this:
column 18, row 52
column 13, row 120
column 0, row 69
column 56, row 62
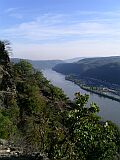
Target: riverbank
column 109, row 109
column 87, row 88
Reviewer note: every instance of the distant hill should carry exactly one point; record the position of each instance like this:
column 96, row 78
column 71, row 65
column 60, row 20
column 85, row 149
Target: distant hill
column 40, row 64
column 108, row 72
column 98, row 61
column 103, row 68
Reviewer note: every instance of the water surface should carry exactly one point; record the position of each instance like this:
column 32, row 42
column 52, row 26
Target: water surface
column 109, row 109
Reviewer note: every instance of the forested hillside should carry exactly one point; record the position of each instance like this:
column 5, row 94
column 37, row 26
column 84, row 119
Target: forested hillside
column 39, row 117
column 103, row 68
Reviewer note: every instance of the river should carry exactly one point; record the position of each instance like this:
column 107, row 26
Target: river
column 109, row 109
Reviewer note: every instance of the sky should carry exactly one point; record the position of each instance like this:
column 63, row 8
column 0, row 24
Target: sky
column 61, row 29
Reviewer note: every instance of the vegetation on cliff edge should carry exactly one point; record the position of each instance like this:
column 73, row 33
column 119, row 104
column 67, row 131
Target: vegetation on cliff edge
column 40, row 118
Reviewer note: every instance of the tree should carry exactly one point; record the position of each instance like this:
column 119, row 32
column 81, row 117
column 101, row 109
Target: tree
column 7, row 81
column 7, row 128
column 91, row 138
column 23, row 68
column 4, row 52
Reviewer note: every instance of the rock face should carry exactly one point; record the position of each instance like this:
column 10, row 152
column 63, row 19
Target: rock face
column 1, row 94
column 1, row 73
column 6, row 79
column 7, row 82
column 7, row 150
column 12, row 153
column 7, row 85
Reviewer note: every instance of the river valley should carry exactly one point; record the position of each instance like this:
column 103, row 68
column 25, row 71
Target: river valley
column 109, row 109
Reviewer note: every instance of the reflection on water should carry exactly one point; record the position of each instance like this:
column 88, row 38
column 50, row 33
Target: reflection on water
column 109, row 109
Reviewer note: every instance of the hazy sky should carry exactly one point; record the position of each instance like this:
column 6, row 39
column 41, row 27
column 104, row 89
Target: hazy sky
column 61, row 29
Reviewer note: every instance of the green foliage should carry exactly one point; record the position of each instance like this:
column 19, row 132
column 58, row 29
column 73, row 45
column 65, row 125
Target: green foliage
column 39, row 117
column 57, row 93
column 7, row 128
column 91, row 138
column 23, row 68
column 4, row 52
column 38, row 114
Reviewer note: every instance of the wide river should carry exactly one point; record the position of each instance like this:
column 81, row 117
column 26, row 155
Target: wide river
column 109, row 109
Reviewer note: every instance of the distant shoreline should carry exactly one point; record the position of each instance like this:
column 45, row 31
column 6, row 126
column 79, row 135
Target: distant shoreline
column 92, row 91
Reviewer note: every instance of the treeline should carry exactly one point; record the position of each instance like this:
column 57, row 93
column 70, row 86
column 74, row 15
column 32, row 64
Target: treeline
column 106, row 69
column 39, row 117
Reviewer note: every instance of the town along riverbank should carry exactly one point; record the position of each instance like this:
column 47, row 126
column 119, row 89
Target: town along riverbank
column 101, row 91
